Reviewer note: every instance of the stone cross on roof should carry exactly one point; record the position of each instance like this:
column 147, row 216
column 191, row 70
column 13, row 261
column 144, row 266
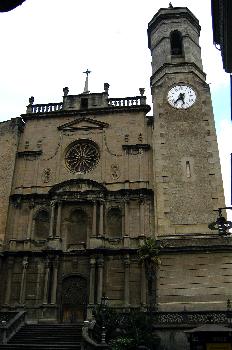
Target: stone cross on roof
column 86, row 88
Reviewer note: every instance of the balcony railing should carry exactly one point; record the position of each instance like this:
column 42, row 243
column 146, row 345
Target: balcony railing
column 110, row 102
column 45, row 108
column 127, row 101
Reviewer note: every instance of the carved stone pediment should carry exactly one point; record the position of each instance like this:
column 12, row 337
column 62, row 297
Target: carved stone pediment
column 83, row 124
column 136, row 149
column 77, row 185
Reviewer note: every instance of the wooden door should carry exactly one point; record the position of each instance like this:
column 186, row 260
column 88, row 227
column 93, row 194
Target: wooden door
column 73, row 299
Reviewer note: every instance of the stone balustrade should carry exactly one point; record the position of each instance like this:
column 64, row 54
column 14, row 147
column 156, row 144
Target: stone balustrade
column 112, row 102
column 127, row 101
column 10, row 324
column 45, row 108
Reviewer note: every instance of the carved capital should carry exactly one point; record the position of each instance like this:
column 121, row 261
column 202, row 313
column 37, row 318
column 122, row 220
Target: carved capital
column 126, row 199
column 92, row 262
column 100, row 261
column 25, row 262
column 52, row 204
column 56, row 262
column 17, row 203
column 31, row 204
column 126, row 260
column 10, row 262
column 47, row 263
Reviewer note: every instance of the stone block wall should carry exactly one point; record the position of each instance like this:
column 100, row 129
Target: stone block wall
column 194, row 281
column 9, row 137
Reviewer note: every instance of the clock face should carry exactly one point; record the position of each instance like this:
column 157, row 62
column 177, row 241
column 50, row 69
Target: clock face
column 181, row 96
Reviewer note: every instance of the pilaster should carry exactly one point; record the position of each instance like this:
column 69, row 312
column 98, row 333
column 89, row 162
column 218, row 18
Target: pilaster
column 58, row 220
column 23, row 280
column 127, row 281
column 10, row 265
column 46, row 280
column 100, row 266
column 92, row 281
column 53, row 203
column 54, row 280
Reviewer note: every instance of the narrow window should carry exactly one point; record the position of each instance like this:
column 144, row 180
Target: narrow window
column 188, row 171
column 176, row 43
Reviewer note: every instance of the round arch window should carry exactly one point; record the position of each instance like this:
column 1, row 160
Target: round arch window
column 82, row 156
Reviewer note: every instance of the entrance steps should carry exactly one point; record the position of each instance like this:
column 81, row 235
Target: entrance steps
column 46, row 337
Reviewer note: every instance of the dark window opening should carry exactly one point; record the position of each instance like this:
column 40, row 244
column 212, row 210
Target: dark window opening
column 84, row 103
column 176, row 43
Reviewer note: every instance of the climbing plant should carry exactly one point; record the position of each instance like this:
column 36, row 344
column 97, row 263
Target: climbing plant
column 148, row 254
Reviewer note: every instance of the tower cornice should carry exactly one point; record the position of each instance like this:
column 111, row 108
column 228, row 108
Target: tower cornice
column 178, row 68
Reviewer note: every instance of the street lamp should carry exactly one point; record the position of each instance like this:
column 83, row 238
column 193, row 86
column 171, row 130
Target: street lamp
column 103, row 308
column 221, row 224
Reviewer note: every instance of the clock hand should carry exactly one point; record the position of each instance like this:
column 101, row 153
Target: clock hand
column 180, row 98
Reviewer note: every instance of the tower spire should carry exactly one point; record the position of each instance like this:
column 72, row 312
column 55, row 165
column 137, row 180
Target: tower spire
column 86, row 88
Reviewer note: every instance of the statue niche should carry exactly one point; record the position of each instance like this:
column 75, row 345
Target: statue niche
column 78, row 227
column 114, row 223
column 41, row 228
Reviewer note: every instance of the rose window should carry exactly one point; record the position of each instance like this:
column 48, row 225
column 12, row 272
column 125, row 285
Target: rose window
column 82, row 157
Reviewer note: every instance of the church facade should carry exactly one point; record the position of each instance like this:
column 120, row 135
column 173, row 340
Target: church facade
column 84, row 182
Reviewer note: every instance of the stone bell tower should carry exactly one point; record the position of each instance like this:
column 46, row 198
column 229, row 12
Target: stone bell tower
column 187, row 176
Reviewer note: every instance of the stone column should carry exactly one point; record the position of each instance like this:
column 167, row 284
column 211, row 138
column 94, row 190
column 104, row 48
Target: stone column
column 53, row 204
column 23, row 280
column 143, row 285
column 101, row 221
column 46, row 280
column 127, row 281
column 92, row 280
column 38, row 284
column 10, row 265
column 126, row 218
column 30, row 220
column 54, row 281
column 58, row 221
column 94, row 222
column 141, row 164
column 14, row 217
column 142, row 216
column 127, row 164
column 100, row 265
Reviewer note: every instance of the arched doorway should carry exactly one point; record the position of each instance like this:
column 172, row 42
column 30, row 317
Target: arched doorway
column 73, row 299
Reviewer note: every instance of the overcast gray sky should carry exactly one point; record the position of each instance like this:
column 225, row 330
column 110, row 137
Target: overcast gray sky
column 47, row 44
